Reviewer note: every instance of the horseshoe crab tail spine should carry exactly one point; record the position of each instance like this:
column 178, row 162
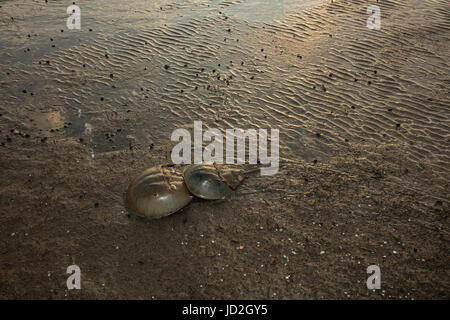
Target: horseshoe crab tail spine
column 251, row 171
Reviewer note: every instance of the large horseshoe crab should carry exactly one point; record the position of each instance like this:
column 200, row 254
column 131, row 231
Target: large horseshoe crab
column 208, row 181
column 156, row 193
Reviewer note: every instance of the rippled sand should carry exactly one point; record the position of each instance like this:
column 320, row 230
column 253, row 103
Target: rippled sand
column 364, row 133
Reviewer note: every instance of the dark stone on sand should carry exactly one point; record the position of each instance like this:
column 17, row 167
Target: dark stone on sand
column 390, row 109
column 166, row 66
column 90, row 30
column 96, row 205
column 111, row 75
column 81, row 139
column 102, row 98
column 106, row 56
column 24, row 91
column 44, row 139
column 330, row 75
column 62, row 30
column 252, row 77
column 8, row 139
column 353, row 107
column 356, row 80
column 369, row 82
column 398, row 125
column 315, row 161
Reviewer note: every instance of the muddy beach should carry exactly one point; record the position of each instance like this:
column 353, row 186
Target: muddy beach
column 363, row 178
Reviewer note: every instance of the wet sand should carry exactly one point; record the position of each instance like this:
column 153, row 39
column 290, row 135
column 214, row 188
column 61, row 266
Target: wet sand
column 364, row 134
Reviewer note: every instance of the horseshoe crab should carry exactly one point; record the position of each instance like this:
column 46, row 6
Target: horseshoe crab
column 155, row 193
column 207, row 181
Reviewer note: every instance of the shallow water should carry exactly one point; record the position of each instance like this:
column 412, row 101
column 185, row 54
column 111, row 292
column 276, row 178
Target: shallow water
column 232, row 64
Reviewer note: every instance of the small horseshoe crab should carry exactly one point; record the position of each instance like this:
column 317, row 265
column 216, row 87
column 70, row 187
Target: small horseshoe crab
column 156, row 193
column 207, row 181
